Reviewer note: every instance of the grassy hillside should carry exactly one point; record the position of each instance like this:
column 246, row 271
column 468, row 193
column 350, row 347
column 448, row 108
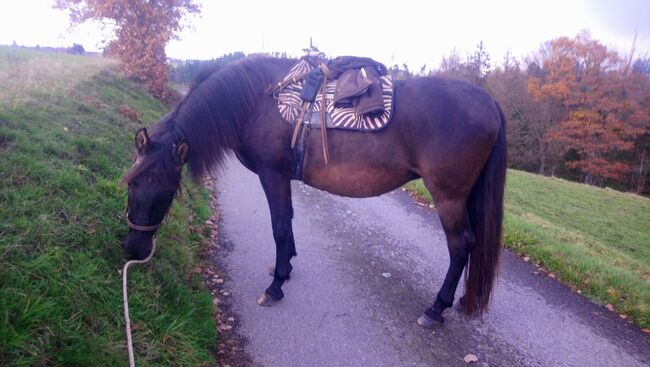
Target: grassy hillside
column 596, row 240
column 64, row 145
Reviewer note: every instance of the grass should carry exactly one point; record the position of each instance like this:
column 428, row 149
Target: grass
column 595, row 240
column 64, row 147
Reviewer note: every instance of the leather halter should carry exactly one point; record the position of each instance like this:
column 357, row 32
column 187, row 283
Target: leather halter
column 139, row 227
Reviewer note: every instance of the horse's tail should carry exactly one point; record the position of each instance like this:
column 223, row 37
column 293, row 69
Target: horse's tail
column 485, row 209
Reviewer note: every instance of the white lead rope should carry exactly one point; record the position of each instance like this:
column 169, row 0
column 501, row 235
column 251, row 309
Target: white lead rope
column 127, row 319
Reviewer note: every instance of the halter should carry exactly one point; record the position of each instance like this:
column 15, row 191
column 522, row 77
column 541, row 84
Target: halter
column 139, row 227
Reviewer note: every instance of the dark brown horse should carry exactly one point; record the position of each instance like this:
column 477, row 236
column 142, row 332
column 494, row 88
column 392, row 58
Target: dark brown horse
column 448, row 132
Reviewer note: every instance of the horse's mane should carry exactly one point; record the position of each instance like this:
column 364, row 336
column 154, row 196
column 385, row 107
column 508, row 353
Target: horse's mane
column 211, row 115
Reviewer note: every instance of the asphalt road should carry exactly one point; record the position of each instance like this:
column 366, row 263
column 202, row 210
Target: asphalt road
column 367, row 268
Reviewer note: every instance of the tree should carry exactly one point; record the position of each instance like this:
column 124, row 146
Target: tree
column 187, row 71
column 142, row 29
column 528, row 120
column 636, row 91
column 473, row 70
column 478, row 65
column 586, row 79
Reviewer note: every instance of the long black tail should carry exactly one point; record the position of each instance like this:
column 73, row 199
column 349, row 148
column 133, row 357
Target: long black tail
column 485, row 209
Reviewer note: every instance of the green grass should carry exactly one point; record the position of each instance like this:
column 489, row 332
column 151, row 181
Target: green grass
column 596, row 240
column 63, row 149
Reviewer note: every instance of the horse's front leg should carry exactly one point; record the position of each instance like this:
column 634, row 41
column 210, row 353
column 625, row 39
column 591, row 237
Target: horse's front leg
column 277, row 187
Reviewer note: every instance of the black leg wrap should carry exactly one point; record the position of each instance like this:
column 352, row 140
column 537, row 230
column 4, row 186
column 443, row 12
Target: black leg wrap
column 435, row 312
column 275, row 292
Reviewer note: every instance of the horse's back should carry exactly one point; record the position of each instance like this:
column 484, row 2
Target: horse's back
column 440, row 127
column 446, row 108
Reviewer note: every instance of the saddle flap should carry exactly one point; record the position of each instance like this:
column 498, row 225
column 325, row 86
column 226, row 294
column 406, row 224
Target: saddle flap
column 352, row 83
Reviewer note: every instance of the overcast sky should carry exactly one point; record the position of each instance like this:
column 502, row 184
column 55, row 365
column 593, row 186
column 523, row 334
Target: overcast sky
column 393, row 32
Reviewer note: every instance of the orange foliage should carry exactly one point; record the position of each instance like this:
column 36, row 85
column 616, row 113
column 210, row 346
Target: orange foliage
column 601, row 121
column 142, row 29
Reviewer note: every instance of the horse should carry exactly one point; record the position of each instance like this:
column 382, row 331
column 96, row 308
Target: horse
column 450, row 133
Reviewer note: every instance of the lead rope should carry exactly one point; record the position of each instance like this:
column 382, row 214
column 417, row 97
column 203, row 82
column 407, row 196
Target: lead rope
column 127, row 319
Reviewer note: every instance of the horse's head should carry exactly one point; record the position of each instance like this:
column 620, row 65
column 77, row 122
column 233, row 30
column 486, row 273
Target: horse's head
column 153, row 182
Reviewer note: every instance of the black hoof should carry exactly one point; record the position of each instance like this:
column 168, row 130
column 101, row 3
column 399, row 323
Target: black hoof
column 429, row 323
column 266, row 301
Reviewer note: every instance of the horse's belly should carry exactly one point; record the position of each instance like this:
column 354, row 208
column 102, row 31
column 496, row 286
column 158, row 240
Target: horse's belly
column 356, row 180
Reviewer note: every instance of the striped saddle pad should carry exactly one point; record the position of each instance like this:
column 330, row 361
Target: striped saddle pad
column 290, row 103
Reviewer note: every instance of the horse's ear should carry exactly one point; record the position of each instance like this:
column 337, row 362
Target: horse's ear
column 142, row 141
column 181, row 150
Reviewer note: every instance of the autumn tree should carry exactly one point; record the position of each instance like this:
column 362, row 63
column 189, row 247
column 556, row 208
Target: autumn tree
column 585, row 78
column 528, row 120
column 142, row 30
column 636, row 91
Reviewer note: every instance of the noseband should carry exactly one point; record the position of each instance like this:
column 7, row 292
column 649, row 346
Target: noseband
column 139, row 227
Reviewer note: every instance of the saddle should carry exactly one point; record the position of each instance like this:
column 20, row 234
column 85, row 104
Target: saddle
column 351, row 93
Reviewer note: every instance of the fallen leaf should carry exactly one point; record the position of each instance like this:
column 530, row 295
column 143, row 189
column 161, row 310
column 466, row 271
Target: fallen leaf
column 386, row 275
column 526, row 259
column 551, row 275
column 623, row 316
column 470, row 358
column 135, row 326
column 610, row 307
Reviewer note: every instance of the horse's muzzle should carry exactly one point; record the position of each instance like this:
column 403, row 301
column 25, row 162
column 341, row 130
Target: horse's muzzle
column 137, row 244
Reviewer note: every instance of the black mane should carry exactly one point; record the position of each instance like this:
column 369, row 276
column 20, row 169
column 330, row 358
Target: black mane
column 211, row 115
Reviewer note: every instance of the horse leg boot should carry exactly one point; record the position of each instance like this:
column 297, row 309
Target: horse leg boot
column 460, row 241
column 277, row 189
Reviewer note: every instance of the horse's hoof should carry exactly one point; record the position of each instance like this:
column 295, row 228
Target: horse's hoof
column 265, row 300
column 429, row 323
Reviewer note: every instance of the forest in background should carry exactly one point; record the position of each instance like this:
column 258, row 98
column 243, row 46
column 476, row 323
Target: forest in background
column 575, row 108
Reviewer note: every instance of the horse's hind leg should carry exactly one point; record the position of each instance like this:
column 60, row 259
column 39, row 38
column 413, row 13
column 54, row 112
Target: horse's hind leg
column 460, row 240
column 277, row 187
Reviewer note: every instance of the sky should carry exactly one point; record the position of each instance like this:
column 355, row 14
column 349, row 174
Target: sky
column 409, row 32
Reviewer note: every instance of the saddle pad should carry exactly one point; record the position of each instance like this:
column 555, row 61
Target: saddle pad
column 289, row 102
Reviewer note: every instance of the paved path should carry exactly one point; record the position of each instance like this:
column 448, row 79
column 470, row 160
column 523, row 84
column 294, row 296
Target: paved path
column 342, row 308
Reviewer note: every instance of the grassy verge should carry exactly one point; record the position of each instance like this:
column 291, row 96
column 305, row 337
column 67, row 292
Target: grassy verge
column 64, row 145
column 595, row 240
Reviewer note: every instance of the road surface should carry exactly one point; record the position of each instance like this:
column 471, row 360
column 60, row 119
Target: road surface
column 367, row 268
